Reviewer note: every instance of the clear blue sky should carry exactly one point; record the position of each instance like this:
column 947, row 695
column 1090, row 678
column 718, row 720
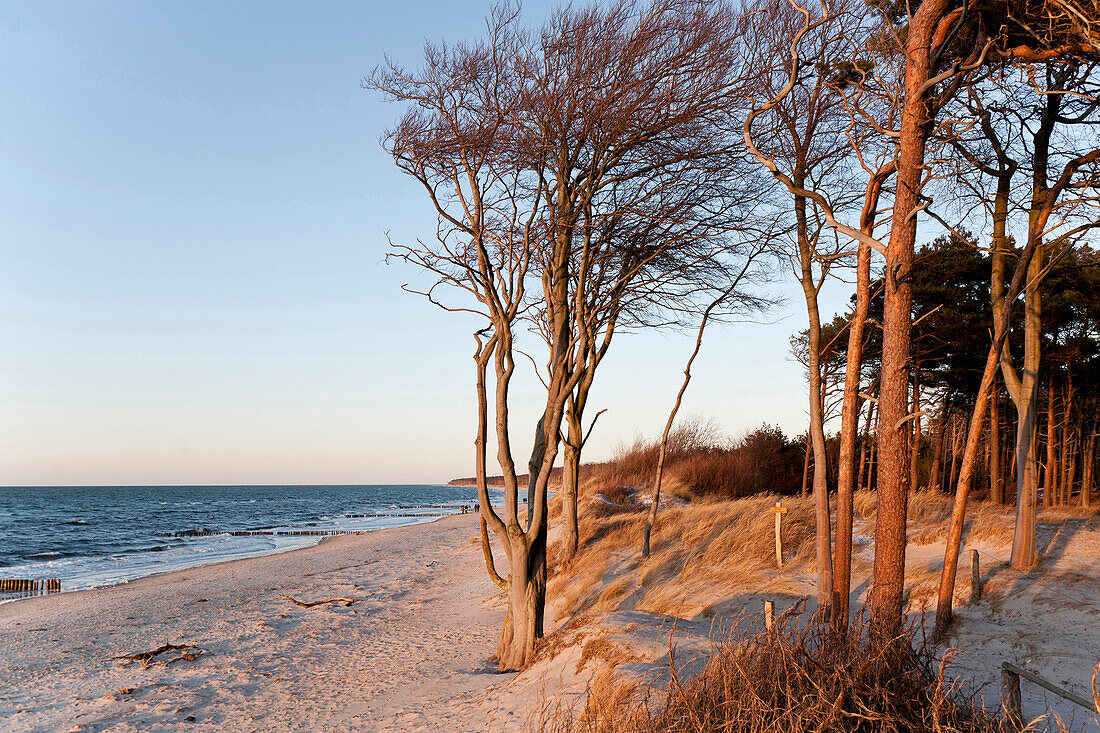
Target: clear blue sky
column 193, row 207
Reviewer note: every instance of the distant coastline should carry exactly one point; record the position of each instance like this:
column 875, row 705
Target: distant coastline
column 498, row 481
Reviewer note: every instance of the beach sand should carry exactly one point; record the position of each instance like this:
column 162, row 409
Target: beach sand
column 413, row 650
column 413, row 655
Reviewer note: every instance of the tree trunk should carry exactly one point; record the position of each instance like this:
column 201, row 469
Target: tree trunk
column 849, row 436
column 651, row 518
column 1070, row 462
column 570, row 482
column 888, row 590
column 1050, row 476
column 863, row 458
column 1087, row 473
column 523, row 625
column 916, row 437
column 1023, row 540
column 1068, row 459
column 938, row 430
column 1024, row 388
column 806, row 467
column 1002, row 319
column 956, row 439
column 872, row 448
column 817, row 418
column 996, row 485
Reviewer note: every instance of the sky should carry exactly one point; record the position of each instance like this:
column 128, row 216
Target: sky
column 194, row 209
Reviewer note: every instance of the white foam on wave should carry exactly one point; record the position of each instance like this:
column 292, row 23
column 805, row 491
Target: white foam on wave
column 82, row 573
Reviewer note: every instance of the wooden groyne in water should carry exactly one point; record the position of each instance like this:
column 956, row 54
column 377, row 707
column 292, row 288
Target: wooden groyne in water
column 265, row 533
column 301, row 532
column 24, row 585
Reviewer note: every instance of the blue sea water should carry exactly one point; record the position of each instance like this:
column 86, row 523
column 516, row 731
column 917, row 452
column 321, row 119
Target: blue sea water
column 93, row 536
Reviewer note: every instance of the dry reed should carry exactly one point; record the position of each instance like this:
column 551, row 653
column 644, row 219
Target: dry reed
column 794, row 678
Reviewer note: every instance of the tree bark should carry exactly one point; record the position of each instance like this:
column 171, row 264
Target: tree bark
column 1002, row 319
column 849, row 437
column 887, row 593
column 1087, row 473
column 806, row 467
column 817, row 418
column 915, row 435
column 1050, row 475
column 938, row 430
column 570, row 482
column 996, row 486
column 1068, row 460
column 956, row 438
column 849, row 475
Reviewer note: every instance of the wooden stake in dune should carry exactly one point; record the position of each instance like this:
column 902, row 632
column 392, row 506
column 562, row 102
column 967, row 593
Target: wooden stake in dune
column 778, row 510
column 975, row 577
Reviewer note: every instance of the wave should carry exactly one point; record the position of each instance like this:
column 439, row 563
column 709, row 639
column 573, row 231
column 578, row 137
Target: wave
column 54, row 555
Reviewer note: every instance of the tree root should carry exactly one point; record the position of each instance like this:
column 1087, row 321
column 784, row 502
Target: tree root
column 147, row 659
column 311, row 604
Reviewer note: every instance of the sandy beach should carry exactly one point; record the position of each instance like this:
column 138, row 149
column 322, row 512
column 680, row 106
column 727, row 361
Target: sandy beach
column 413, row 653
column 412, row 650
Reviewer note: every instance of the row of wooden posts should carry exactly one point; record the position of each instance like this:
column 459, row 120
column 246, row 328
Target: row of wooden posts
column 24, row 585
column 266, row 533
column 291, row 533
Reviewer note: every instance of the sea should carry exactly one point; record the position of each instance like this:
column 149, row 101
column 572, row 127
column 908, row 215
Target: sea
column 95, row 536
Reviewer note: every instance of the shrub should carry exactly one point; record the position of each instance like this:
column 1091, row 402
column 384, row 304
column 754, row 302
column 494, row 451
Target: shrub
column 794, row 678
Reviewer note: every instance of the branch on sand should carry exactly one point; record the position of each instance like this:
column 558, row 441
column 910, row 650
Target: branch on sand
column 148, row 659
column 311, row 604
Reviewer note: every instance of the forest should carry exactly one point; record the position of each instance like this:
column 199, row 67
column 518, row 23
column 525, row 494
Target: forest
column 652, row 165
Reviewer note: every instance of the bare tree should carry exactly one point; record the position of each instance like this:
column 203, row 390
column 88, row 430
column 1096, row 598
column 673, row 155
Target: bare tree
column 805, row 130
column 531, row 146
column 623, row 105
column 1055, row 221
column 734, row 295
column 458, row 139
column 936, row 45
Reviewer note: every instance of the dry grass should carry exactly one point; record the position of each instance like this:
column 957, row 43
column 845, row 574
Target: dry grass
column 699, row 462
column 702, row 544
column 930, row 517
column 793, row 679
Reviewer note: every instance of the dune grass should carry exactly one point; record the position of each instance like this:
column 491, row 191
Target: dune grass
column 793, row 679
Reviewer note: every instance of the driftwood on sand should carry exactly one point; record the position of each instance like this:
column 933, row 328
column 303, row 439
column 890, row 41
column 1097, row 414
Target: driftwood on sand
column 148, row 658
column 311, row 604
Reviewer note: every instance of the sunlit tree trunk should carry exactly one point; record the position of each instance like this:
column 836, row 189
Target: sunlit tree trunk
column 570, row 482
column 849, row 475
column 996, row 485
column 817, row 418
column 849, row 434
column 916, row 437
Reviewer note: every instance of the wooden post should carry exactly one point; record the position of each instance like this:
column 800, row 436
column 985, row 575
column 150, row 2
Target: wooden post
column 975, row 577
column 769, row 614
column 778, row 510
column 1010, row 699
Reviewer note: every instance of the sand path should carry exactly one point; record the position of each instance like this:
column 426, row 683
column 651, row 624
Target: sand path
column 411, row 656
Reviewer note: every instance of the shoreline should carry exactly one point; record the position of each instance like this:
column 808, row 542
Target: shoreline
column 407, row 655
column 145, row 554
